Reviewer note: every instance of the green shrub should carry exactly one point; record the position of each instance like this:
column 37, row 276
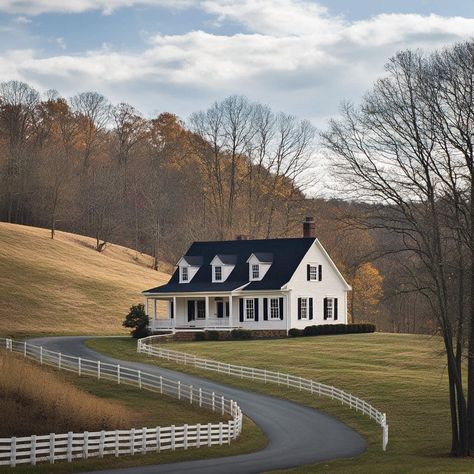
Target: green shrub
column 327, row 329
column 212, row 335
column 199, row 336
column 137, row 320
column 240, row 334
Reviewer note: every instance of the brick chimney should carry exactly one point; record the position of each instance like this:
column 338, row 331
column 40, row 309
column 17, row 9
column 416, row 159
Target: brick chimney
column 241, row 237
column 309, row 228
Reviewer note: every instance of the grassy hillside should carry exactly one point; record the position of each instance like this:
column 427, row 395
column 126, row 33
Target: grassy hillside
column 402, row 375
column 64, row 286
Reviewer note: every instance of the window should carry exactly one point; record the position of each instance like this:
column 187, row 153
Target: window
column 274, row 308
column 313, row 272
column 201, row 309
column 250, row 309
column 304, row 308
column 184, row 273
column 255, row 272
column 330, row 308
column 218, row 273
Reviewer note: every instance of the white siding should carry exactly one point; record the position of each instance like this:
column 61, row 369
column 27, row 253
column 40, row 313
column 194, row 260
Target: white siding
column 331, row 286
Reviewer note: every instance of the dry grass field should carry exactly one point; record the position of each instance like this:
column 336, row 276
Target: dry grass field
column 64, row 286
column 38, row 401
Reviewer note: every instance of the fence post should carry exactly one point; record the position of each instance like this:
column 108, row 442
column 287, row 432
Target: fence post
column 98, row 370
column 132, row 441
column 222, row 403
column 161, row 384
column 213, row 401
column 52, row 439
column 173, row 437
column 185, row 437
column 33, row 450
column 69, row 447
column 158, row 439
column 229, row 431
column 144, row 449
column 79, row 366
column 41, row 355
column 117, row 444
column 139, row 379
column 118, row 374
column 13, row 452
column 209, row 434
column 179, row 389
column 59, row 361
column 101, row 444
column 24, row 349
column 200, row 396
column 220, row 433
column 198, row 435
column 85, row 446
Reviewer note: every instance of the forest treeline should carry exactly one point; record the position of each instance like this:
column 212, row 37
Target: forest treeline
column 87, row 166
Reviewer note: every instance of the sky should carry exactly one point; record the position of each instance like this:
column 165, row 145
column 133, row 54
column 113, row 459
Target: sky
column 302, row 57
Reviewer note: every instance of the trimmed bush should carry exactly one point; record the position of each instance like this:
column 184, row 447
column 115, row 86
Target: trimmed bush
column 138, row 321
column 240, row 334
column 212, row 335
column 199, row 336
column 327, row 329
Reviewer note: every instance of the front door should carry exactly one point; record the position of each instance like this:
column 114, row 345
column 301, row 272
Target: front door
column 220, row 309
column 191, row 310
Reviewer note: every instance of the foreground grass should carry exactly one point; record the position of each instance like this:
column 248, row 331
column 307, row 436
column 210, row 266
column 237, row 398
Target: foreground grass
column 146, row 409
column 402, row 375
column 64, row 286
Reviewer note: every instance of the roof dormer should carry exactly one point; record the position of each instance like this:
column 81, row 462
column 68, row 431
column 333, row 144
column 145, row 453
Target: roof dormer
column 222, row 266
column 188, row 267
column 259, row 264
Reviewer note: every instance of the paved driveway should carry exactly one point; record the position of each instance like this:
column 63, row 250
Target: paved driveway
column 297, row 435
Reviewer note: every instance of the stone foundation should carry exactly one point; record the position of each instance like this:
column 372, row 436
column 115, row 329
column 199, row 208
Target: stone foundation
column 224, row 335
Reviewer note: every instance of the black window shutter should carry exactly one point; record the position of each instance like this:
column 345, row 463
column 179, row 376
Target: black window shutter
column 171, row 309
column 299, row 308
column 325, row 313
column 227, row 307
column 320, row 272
column 308, row 272
column 256, row 308
column 335, row 309
column 241, row 310
column 190, row 310
column 281, row 308
column 265, row 309
column 311, row 308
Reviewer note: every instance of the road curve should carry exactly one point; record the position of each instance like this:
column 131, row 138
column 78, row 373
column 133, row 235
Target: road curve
column 296, row 434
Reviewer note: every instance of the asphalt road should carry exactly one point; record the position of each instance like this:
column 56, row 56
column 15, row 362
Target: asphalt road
column 297, row 435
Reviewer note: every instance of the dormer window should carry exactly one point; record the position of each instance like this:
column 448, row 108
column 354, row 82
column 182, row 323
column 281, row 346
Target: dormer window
column 222, row 267
column 188, row 267
column 184, row 274
column 255, row 272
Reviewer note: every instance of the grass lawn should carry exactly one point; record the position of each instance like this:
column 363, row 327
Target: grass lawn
column 402, row 375
column 149, row 410
column 64, row 286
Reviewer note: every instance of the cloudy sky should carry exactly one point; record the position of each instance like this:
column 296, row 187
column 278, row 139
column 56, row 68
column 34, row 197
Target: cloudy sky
column 298, row 56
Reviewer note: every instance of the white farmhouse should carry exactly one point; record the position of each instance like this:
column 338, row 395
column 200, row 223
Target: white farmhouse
column 269, row 286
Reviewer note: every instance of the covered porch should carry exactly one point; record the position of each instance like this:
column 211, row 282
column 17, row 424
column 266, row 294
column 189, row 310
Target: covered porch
column 199, row 312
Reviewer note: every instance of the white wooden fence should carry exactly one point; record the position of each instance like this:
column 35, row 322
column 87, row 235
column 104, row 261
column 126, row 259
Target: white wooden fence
column 69, row 446
column 146, row 346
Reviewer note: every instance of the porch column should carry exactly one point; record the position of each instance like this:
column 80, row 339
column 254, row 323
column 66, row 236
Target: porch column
column 230, row 311
column 175, row 313
column 154, row 309
column 207, row 307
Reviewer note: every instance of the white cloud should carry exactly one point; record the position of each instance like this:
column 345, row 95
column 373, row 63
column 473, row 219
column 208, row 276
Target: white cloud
column 22, row 20
column 36, row 7
column 292, row 55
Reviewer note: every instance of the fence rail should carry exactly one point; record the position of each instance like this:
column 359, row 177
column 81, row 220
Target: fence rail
column 146, row 346
column 70, row 446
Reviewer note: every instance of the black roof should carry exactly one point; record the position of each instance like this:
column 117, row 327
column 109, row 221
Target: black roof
column 286, row 255
column 227, row 259
column 264, row 257
column 193, row 260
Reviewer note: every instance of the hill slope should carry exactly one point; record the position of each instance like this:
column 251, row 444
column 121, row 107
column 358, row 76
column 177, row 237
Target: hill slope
column 64, row 286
